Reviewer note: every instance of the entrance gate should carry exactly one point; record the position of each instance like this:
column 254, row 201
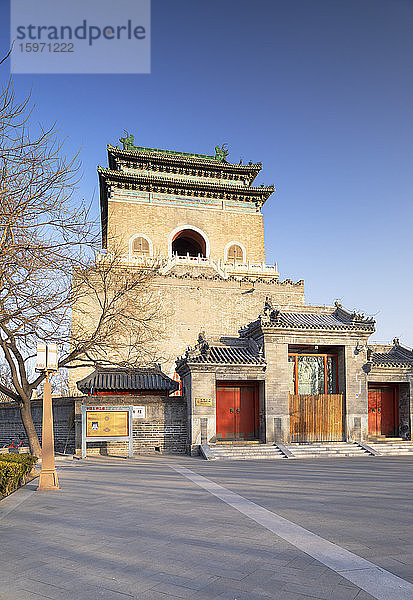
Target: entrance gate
column 316, row 418
column 237, row 412
column 383, row 411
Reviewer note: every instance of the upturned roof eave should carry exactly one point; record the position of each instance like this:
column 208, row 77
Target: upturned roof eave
column 191, row 363
column 182, row 158
column 391, row 365
column 264, row 192
column 285, row 328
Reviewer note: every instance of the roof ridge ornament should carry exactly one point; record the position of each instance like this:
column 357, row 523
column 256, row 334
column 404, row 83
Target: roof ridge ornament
column 352, row 317
column 201, row 348
column 127, row 141
column 270, row 315
column 221, row 152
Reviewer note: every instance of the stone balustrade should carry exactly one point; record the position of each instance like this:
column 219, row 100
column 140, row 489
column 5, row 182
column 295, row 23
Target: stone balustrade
column 224, row 268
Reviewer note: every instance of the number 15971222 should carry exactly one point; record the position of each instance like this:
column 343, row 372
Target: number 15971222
column 47, row 47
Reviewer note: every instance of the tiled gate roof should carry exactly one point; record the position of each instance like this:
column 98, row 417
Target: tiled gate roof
column 108, row 379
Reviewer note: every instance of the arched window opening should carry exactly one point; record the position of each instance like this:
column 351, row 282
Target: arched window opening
column 235, row 253
column 140, row 247
column 189, row 242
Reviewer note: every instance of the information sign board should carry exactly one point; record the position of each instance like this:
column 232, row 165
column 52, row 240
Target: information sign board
column 110, row 423
column 106, row 423
column 203, row 401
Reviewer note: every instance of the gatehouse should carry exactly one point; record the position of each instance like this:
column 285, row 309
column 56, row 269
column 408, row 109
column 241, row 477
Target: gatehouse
column 251, row 361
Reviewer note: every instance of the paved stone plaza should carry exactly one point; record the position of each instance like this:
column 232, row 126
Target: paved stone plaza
column 152, row 529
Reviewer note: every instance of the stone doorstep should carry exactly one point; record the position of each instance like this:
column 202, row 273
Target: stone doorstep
column 237, row 442
column 241, row 454
column 321, row 450
column 331, row 453
column 328, row 455
column 328, row 449
column 391, row 447
column 246, row 451
column 252, row 457
column 268, row 448
column 242, row 449
column 237, row 451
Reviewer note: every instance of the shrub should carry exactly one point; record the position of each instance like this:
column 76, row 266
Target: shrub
column 14, row 469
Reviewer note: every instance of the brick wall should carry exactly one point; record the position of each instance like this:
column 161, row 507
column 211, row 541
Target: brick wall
column 189, row 303
column 164, row 428
column 126, row 219
column 404, row 410
column 11, row 427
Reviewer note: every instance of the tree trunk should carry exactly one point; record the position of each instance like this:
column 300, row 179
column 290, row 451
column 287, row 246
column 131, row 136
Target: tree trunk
column 26, row 415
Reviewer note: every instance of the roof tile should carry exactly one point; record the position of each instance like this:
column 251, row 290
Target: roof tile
column 127, row 379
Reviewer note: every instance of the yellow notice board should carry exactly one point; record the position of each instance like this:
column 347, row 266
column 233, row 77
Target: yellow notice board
column 203, row 401
column 112, row 423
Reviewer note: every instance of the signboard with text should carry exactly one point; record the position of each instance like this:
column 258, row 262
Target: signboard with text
column 106, row 424
column 203, row 401
column 139, row 412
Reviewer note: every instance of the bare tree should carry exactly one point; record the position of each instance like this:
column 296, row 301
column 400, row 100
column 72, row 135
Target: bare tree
column 50, row 268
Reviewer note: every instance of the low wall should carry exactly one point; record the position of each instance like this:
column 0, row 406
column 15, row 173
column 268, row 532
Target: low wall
column 11, row 426
column 163, row 429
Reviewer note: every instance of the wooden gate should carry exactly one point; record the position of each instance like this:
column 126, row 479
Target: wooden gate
column 316, row 418
column 237, row 412
column 383, row 411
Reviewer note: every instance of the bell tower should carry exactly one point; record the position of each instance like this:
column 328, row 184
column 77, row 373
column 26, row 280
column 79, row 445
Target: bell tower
column 179, row 205
column 198, row 217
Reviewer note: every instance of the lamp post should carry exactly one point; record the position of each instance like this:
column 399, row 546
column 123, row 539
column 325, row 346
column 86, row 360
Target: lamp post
column 47, row 363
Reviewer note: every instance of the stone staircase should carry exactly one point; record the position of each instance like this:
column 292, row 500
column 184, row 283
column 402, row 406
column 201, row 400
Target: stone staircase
column 241, row 451
column 327, row 450
column 391, row 447
column 258, row 451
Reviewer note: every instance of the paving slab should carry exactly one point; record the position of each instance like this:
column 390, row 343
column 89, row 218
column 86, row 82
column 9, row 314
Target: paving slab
column 136, row 528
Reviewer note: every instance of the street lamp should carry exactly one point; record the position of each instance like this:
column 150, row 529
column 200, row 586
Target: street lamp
column 47, row 363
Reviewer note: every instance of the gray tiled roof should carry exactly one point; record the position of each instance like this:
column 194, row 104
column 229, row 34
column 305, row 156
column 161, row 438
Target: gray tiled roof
column 227, row 355
column 396, row 357
column 113, row 379
column 339, row 319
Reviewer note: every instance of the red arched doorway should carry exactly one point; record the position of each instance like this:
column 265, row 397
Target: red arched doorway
column 189, row 242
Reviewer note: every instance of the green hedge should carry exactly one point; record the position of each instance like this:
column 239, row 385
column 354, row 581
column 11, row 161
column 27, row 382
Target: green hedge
column 14, row 469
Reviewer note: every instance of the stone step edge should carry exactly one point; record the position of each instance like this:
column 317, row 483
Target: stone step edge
column 274, row 457
column 247, row 453
column 275, row 451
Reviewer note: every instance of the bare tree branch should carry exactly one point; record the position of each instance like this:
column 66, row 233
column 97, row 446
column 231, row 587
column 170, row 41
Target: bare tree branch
column 54, row 284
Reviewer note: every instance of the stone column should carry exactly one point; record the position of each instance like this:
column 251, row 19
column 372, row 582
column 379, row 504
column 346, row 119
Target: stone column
column 203, row 412
column 410, row 381
column 277, row 399
column 356, row 394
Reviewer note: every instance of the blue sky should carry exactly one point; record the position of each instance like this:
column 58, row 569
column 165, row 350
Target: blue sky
column 319, row 91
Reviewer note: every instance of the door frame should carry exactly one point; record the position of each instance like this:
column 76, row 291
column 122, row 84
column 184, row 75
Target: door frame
column 256, row 397
column 395, row 389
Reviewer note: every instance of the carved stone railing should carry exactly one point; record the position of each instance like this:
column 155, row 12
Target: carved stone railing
column 223, row 268
column 250, row 268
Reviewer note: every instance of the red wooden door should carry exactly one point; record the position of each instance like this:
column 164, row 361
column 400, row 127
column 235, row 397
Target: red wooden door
column 227, row 403
column 388, row 410
column 383, row 415
column 236, row 412
column 374, row 413
column 246, row 413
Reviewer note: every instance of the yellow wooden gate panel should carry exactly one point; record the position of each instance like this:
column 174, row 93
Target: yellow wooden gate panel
column 316, row 418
